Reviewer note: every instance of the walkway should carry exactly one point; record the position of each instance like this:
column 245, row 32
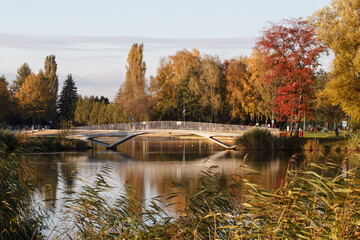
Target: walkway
column 131, row 130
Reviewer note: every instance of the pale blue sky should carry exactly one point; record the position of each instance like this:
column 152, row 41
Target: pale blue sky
column 91, row 38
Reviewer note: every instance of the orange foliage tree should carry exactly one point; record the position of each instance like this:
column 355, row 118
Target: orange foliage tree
column 291, row 53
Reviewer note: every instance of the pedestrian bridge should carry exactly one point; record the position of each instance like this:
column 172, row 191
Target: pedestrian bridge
column 126, row 131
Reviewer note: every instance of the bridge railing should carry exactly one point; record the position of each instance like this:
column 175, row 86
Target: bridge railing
column 175, row 125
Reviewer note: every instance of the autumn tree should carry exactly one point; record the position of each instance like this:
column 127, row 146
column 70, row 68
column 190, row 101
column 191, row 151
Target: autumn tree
column 5, row 98
column 67, row 100
column 22, row 73
column 238, row 76
column 338, row 27
column 50, row 68
column 33, row 98
column 325, row 111
column 207, row 87
column 171, row 89
column 263, row 97
column 132, row 96
column 291, row 53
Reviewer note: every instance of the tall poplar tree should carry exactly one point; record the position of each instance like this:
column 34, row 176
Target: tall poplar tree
column 132, row 96
column 50, row 68
column 67, row 100
column 21, row 75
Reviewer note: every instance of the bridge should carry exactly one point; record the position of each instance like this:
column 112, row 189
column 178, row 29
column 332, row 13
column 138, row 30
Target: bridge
column 126, row 131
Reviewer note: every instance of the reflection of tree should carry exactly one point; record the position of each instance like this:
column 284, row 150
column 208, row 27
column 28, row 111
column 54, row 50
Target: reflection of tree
column 69, row 170
column 48, row 178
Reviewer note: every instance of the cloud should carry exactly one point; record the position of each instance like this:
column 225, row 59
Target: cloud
column 116, row 43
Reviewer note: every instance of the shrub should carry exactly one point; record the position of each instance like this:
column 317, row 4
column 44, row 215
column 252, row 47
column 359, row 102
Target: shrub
column 256, row 139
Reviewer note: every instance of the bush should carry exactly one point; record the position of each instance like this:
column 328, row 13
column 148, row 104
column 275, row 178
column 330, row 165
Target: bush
column 256, row 139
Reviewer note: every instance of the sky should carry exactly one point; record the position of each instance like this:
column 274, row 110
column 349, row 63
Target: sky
column 91, row 38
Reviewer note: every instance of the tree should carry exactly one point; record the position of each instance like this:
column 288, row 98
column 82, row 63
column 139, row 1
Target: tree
column 67, row 100
column 33, row 97
column 50, row 68
column 207, row 87
column 291, row 53
column 170, row 86
column 22, row 73
column 338, row 27
column 261, row 102
column 237, row 76
column 5, row 98
column 132, row 96
column 324, row 109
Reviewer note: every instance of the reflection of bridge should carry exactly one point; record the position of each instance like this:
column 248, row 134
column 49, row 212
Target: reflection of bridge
column 130, row 130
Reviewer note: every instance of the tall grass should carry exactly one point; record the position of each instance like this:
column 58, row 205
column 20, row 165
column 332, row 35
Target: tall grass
column 19, row 219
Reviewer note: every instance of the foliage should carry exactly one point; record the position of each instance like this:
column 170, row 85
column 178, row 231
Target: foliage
column 257, row 138
column 22, row 73
column 261, row 97
column 132, row 96
column 5, row 99
column 354, row 141
column 89, row 111
column 207, row 87
column 191, row 87
column 33, row 97
column 337, row 26
column 18, row 217
column 324, row 109
column 67, row 100
column 291, row 53
column 50, row 68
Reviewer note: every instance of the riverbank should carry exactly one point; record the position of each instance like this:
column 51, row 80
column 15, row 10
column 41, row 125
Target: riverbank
column 34, row 143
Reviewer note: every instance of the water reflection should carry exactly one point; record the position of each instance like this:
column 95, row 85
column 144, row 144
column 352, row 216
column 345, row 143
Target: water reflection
column 152, row 165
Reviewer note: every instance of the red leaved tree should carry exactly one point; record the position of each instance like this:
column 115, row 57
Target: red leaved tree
column 291, row 57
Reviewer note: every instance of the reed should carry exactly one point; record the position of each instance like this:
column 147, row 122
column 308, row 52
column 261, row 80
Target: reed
column 19, row 217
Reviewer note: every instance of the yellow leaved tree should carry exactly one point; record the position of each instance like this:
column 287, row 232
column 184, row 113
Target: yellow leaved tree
column 338, row 27
column 34, row 98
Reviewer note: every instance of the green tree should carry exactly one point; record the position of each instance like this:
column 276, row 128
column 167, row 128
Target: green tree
column 5, row 98
column 67, row 99
column 22, row 73
column 83, row 110
column 338, row 27
column 50, row 68
column 132, row 96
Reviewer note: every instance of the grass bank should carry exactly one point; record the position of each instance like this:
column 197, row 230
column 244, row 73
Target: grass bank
column 41, row 144
column 262, row 139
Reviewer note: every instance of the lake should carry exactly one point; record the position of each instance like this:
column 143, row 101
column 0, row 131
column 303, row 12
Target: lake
column 152, row 164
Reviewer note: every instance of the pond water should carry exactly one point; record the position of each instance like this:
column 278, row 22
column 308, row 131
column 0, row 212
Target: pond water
column 151, row 165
